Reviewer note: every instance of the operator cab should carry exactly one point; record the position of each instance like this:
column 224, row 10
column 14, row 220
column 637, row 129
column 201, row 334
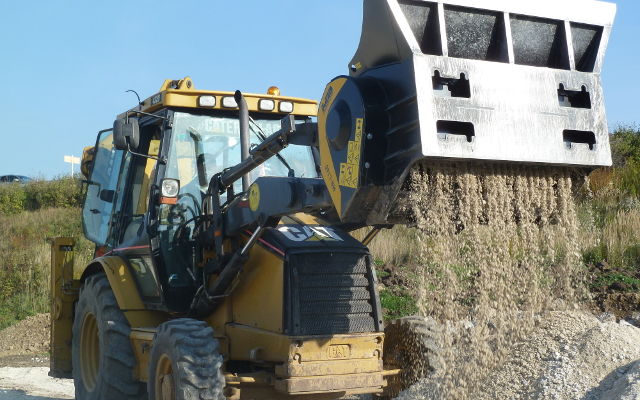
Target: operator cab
column 185, row 136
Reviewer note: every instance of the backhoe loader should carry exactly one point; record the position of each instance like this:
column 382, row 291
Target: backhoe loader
column 224, row 265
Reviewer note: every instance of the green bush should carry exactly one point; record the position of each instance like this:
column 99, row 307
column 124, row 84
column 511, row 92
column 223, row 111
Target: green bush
column 628, row 178
column 397, row 303
column 63, row 192
column 624, row 281
column 625, row 150
column 12, row 198
column 59, row 193
column 631, row 256
column 594, row 255
column 625, row 145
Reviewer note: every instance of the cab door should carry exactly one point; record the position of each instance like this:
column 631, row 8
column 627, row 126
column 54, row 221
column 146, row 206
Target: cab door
column 116, row 205
column 130, row 229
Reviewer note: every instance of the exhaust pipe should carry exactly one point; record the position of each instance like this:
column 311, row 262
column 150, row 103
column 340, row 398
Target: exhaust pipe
column 463, row 80
column 245, row 139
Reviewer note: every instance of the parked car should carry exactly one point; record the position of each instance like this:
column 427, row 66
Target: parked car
column 14, row 179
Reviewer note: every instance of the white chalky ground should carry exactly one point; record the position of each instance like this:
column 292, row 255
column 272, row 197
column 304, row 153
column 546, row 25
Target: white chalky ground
column 33, row 384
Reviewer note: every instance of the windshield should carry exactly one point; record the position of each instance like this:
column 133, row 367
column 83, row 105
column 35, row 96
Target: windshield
column 216, row 140
column 201, row 146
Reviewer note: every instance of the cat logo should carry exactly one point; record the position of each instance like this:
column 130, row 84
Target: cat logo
column 339, row 351
column 299, row 233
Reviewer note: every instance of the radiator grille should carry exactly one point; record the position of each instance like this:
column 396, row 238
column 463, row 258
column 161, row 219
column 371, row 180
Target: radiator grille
column 331, row 293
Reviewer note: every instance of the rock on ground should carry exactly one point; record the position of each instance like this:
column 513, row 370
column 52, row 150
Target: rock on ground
column 622, row 384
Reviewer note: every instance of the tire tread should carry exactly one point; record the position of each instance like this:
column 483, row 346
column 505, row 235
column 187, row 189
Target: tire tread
column 116, row 380
column 197, row 364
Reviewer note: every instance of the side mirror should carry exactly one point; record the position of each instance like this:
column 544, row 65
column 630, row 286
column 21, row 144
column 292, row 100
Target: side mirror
column 126, row 133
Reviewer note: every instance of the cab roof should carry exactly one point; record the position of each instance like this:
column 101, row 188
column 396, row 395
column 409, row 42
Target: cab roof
column 182, row 93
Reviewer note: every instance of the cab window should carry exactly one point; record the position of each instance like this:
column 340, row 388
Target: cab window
column 101, row 192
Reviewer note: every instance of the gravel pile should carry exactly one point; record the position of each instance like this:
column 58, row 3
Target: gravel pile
column 570, row 355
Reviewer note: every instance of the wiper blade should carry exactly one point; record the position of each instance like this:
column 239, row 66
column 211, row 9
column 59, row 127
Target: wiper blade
column 200, row 161
column 260, row 133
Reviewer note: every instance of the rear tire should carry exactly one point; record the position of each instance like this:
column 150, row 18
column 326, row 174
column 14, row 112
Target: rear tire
column 410, row 344
column 185, row 363
column 103, row 360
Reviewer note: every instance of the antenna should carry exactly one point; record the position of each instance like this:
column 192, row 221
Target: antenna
column 136, row 93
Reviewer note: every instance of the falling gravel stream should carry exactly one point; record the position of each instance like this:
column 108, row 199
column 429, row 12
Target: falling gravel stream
column 498, row 251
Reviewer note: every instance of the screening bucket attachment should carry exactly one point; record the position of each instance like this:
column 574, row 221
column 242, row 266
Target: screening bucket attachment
column 469, row 80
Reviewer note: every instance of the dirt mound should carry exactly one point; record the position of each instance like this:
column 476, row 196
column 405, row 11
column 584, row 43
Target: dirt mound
column 30, row 336
column 569, row 355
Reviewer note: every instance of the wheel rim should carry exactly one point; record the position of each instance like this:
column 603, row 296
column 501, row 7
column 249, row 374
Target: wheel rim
column 89, row 352
column 164, row 387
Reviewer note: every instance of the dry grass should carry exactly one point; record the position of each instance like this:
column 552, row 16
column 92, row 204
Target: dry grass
column 601, row 180
column 610, row 231
column 621, row 235
column 395, row 246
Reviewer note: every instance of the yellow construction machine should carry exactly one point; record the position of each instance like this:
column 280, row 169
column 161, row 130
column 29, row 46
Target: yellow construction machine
column 223, row 263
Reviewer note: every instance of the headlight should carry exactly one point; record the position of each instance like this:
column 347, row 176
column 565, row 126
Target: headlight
column 207, row 101
column 286, row 107
column 229, row 102
column 266, row 105
column 170, row 188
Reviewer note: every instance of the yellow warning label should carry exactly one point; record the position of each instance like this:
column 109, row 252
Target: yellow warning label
column 349, row 171
column 353, row 153
column 349, row 175
column 359, row 126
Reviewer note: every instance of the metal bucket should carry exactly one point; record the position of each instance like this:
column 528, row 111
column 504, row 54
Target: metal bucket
column 488, row 80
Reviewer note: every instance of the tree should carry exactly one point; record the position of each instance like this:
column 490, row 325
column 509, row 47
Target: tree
column 625, row 151
column 625, row 145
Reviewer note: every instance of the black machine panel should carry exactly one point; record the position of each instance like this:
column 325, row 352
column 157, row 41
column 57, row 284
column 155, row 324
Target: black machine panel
column 329, row 281
column 331, row 293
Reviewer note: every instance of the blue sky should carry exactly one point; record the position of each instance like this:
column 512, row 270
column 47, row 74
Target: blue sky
column 65, row 65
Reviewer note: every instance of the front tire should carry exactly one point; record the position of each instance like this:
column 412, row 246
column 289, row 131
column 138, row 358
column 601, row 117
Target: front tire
column 103, row 360
column 185, row 363
column 412, row 345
